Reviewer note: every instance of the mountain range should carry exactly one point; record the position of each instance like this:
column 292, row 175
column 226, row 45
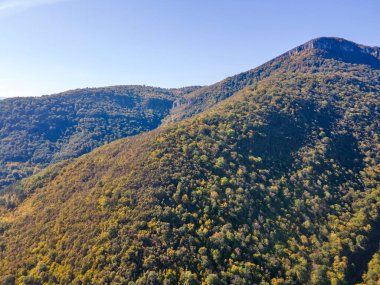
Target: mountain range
column 271, row 176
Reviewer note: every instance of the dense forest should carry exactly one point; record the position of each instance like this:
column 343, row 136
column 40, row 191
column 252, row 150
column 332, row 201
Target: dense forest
column 278, row 184
column 35, row 132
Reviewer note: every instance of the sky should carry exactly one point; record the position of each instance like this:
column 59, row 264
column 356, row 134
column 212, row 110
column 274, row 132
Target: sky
column 49, row 46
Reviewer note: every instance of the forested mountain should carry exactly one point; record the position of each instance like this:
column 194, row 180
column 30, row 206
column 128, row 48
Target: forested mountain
column 279, row 184
column 37, row 131
column 206, row 97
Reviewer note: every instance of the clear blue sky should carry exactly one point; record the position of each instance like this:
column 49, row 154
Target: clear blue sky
column 48, row 46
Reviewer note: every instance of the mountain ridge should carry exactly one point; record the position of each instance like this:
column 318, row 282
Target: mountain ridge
column 326, row 47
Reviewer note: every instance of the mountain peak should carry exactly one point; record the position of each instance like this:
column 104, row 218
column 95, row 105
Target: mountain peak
column 342, row 49
column 333, row 43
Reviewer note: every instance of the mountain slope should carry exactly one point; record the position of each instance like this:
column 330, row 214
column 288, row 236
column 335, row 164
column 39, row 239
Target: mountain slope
column 278, row 184
column 35, row 132
column 204, row 98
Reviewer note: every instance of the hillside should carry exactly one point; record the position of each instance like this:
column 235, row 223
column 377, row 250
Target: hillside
column 279, row 184
column 38, row 131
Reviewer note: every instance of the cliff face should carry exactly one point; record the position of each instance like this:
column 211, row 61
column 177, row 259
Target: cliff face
column 342, row 49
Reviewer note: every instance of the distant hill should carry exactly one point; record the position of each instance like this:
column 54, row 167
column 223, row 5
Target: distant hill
column 37, row 131
column 275, row 181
